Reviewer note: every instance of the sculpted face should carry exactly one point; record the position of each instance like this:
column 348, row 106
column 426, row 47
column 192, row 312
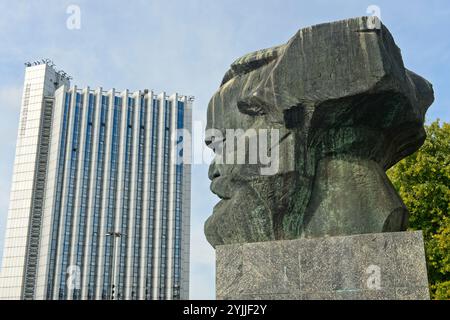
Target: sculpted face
column 248, row 198
column 339, row 109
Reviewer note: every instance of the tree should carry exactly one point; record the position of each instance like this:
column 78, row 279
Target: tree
column 423, row 181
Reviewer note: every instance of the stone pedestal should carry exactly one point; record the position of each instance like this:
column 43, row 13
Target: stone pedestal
column 356, row 267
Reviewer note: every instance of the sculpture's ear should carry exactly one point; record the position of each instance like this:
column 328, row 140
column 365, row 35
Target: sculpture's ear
column 294, row 117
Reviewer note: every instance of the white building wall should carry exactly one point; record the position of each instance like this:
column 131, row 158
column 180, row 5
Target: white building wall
column 50, row 194
column 39, row 82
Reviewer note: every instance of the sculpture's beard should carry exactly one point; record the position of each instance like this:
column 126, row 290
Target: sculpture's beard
column 288, row 206
column 255, row 207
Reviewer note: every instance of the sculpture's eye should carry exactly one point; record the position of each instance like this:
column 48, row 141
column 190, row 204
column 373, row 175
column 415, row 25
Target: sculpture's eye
column 251, row 62
column 215, row 143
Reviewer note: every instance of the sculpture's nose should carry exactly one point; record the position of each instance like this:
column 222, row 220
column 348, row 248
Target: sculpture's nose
column 213, row 171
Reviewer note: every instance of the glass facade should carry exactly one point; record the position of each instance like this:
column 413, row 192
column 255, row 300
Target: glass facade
column 165, row 196
column 139, row 201
column 126, row 199
column 95, row 221
column 152, row 199
column 112, row 192
column 68, row 212
column 178, row 207
column 58, row 203
column 109, row 170
column 80, row 242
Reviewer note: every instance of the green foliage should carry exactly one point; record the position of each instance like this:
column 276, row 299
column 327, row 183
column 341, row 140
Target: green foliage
column 423, row 181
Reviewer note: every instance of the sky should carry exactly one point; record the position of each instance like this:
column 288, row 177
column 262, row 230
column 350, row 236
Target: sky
column 186, row 46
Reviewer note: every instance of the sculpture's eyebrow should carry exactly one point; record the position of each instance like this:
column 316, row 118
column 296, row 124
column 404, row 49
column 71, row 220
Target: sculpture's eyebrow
column 251, row 62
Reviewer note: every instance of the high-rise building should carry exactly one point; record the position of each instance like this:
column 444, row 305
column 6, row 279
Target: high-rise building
column 100, row 203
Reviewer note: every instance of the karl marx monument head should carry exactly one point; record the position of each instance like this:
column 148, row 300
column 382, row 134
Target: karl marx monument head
column 345, row 110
